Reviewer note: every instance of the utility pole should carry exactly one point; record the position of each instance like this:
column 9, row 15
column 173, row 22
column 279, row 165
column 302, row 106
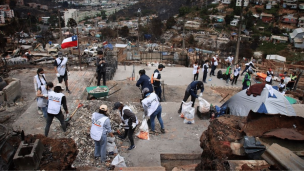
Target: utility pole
column 184, row 34
column 239, row 34
column 59, row 26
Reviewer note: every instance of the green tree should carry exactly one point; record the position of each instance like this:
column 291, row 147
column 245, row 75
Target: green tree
column 124, row 31
column 107, row 32
column 53, row 21
column 259, row 10
column 65, row 4
column 170, row 22
column 156, row 27
column 183, row 10
column 228, row 19
column 72, row 24
column 191, row 40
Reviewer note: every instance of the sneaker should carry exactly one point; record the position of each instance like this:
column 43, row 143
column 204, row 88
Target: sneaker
column 39, row 112
column 162, row 131
column 96, row 158
column 131, row 147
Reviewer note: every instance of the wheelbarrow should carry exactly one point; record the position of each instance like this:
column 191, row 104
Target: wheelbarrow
column 99, row 95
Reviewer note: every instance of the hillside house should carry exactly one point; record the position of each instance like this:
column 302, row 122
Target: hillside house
column 266, row 18
column 279, row 39
column 289, row 19
column 20, row 3
column 301, row 6
column 301, row 22
column 290, row 5
column 268, row 6
column 226, row 2
column 289, row 1
column 44, row 7
column 6, row 12
column 192, row 24
column 2, row 19
column 296, row 37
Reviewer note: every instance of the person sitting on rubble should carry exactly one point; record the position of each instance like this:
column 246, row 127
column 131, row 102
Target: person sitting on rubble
column 192, row 91
column 293, row 79
column 144, row 81
column 152, row 109
column 55, row 99
column 129, row 122
column 42, row 97
column 100, row 128
column 246, row 80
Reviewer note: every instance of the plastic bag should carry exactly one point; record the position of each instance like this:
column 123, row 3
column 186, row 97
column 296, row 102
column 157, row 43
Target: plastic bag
column 185, row 107
column 110, row 139
column 144, row 131
column 204, row 106
column 111, row 147
column 119, row 161
column 189, row 115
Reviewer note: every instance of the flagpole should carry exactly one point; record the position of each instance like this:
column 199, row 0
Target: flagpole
column 79, row 58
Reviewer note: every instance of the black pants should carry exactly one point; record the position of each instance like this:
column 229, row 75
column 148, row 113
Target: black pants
column 205, row 76
column 195, row 76
column 103, row 74
column 49, row 121
column 187, row 94
column 158, row 91
column 213, row 68
column 235, row 79
column 245, row 70
column 129, row 133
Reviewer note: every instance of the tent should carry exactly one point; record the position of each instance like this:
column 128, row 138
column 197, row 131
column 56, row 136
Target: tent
column 240, row 104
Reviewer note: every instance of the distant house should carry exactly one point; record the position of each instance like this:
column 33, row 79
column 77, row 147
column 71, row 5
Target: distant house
column 44, row 7
column 266, row 18
column 234, row 22
column 301, row 6
column 301, row 22
column 2, row 19
column 226, row 1
column 268, row 6
column 296, row 37
column 290, row 1
column 192, row 24
column 279, row 39
column 289, row 19
column 45, row 20
column 290, row 5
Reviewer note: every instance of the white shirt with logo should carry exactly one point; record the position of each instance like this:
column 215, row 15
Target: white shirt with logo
column 215, row 61
column 97, row 127
column 151, row 103
column 42, row 101
column 54, row 102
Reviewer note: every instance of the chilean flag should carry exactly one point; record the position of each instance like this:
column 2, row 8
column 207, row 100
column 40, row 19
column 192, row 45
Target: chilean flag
column 104, row 43
column 69, row 42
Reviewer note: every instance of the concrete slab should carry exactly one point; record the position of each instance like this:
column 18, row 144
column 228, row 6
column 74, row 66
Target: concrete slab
column 179, row 138
column 172, row 75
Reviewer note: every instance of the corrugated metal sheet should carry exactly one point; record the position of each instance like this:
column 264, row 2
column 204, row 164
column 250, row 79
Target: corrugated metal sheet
column 282, row 158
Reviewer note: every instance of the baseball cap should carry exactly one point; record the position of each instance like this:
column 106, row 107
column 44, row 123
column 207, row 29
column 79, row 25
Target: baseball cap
column 59, row 85
column 161, row 66
column 117, row 105
column 103, row 108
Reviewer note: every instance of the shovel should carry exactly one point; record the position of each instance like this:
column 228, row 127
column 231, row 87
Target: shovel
column 69, row 118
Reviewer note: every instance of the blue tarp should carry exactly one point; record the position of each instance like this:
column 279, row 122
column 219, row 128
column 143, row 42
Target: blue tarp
column 147, row 36
column 110, row 46
column 204, row 51
column 191, row 50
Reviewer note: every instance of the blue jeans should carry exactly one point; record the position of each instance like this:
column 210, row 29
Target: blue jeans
column 101, row 148
column 44, row 111
column 158, row 91
column 158, row 114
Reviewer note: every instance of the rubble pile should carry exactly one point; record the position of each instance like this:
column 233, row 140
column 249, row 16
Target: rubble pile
column 79, row 130
column 99, row 90
column 215, row 142
column 297, row 94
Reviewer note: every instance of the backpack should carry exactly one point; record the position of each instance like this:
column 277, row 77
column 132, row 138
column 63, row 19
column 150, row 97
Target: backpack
column 219, row 74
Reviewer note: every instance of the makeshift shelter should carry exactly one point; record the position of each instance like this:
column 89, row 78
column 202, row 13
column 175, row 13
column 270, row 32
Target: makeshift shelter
column 276, row 58
column 240, row 104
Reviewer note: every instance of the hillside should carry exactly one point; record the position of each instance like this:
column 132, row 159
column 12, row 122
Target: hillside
column 163, row 8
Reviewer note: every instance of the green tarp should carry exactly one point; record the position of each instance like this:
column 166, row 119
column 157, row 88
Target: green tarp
column 291, row 100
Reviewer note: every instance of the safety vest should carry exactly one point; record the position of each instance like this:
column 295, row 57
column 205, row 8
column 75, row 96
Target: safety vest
column 40, row 81
column 54, row 102
column 247, row 82
column 62, row 67
column 151, row 102
column 127, row 120
column 227, row 71
column 97, row 126
column 42, row 101
column 292, row 77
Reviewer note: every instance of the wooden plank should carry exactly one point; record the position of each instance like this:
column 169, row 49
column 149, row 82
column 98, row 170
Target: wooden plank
column 237, row 164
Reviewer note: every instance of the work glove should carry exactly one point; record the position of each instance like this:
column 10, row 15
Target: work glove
column 201, row 94
column 58, row 75
column 45, row 95
column 133, row 125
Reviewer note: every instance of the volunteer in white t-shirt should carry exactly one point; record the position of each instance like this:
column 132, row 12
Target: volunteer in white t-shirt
column 236, row 73
column 61, row 69
column 195, row 71
column 55, row 100
column 215, row 61
column 248, row 65
column 100, row 128
column 42, row 97
column 152, row 109
column 269, row 76
column 230, row 59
